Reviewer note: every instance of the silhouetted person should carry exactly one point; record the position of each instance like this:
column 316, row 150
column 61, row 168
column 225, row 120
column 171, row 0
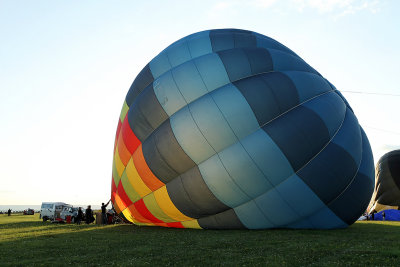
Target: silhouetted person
column 89, row 215
column 103, row 212
column 9, row 212
column 383, row 215
column 79, row 217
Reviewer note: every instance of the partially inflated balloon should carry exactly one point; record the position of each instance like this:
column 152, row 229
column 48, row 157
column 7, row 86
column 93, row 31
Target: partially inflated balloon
column 229, row 129
column 387, row 188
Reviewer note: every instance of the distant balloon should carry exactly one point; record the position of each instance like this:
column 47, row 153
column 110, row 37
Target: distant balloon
column 229, row 129
column 387, row 187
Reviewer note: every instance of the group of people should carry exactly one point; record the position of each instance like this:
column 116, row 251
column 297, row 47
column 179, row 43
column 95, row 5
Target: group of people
column 372, row 216
column 89, row 218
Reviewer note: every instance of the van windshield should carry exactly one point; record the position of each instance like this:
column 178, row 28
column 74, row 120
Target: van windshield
column 47, row 206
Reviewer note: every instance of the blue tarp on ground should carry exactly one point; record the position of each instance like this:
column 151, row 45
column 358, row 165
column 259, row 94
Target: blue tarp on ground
column 390, row 215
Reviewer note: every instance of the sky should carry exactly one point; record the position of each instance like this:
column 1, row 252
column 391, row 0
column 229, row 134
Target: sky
column 66, row 66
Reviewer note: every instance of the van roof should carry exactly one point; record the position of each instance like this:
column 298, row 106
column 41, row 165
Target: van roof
column 57, row 203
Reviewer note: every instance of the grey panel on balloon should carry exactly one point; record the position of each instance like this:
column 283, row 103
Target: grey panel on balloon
column 192, row 197
column 387, row 188
column 142, row 80
column 138, row 123
column 164, row 156
column 394, row 168
column 300, row 134
column 146, row 114
column 224, row 220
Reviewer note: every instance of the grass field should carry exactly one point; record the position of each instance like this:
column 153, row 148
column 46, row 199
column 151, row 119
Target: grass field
column 25, row 240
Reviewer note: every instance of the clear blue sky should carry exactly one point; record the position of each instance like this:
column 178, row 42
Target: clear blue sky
column 66, row 66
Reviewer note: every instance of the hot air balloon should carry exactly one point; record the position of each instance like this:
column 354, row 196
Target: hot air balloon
column 387, row 187
column 229, row 129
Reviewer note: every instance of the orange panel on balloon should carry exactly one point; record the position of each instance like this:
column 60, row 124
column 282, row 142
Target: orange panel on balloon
column 144, row 171
column 123, row 151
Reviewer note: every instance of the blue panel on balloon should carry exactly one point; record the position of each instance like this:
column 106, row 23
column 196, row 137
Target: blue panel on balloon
column 189, row 81
column 236, row 63
column 189, row 136
column 159, row 65
column 266, row 42
column 305, row 201
column 236, row 110
column 276, row 208
column 252, row 217
column 168, row 94
column 349, row 136
column 367, row 163
column 212, row 123
column 325, row 165
column 221, row 184
column 326, row 219
column 200, row 45
column 308, row 84
column 300, row 134
column 212, row 71
column 243, row 171
column 178, row 53
column 268, row 157
column 325, row 105
column 283, row 62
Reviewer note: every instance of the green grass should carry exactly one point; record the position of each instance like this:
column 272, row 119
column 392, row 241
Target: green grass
column 25, row 240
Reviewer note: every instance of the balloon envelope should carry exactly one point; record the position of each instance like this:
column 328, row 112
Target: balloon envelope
column 387, row 187
column 229, row 129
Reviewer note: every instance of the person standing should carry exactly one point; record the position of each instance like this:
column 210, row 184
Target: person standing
column 79, row 216
column 383, row 215
column 103, row 212
column 89, row 215
column 9, row 212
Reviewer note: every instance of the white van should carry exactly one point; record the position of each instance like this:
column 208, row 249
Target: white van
column 51, row 210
